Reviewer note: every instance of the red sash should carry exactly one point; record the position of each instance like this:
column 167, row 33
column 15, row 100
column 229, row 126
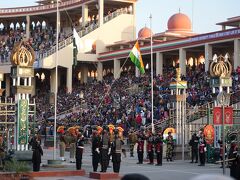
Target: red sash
column 140, row 145
column 149, row 147
column 158, row 147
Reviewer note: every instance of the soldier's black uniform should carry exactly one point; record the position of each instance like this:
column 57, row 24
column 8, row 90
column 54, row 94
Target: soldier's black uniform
column 234, row 171
column 104, row 150
column 95, row 151
column 194, row 144
column 37, row 153
column 159, row 148
column 79, row 151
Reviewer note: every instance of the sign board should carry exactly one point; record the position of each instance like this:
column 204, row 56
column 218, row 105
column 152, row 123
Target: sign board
column 22, row 118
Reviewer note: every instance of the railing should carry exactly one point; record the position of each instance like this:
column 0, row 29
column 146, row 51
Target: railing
column 81, row 33
column 202, row 111
column 31, row 9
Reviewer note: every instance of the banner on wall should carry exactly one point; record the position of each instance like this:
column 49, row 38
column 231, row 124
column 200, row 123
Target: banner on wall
column 228, row 115
column 217, row 116
column 209, row 134
column 22, row 122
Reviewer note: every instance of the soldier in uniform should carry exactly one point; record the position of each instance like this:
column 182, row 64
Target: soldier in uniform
column 116, row 149
column 234, row 158
column 194, row 146
column 62, row 143
column 159, row 148
column 79, row 150
column 72, row 146
column 95, row 150
column 37, row 153
column 104, row 150
column 132, row 137
column 202, row 146
column 170, row 145
column 140, row 147
column 150, row 145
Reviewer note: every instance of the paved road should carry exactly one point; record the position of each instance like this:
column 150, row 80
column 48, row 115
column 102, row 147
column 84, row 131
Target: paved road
column 178, row 170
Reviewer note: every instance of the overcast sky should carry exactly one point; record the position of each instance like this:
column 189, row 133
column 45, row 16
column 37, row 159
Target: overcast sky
column 204, row 13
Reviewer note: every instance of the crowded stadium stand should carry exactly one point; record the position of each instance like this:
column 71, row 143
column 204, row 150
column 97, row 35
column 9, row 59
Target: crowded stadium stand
column 104, row 86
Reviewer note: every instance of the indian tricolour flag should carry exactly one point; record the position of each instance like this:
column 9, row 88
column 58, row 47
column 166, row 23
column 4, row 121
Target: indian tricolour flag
column 136, row 57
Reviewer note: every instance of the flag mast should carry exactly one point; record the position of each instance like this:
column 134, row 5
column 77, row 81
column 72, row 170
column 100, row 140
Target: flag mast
column 150, row 17
column 56, row 84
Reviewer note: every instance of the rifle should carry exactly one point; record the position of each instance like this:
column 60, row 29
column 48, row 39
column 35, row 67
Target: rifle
column 228, row 160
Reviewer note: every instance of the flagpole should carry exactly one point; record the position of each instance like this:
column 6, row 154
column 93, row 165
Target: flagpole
column 150, row 17
column 56, row 85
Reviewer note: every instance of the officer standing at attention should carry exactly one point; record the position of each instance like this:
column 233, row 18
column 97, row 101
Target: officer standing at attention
column 132, row 137
column 170, row 145
column 95, row 150
column 104, row 150
column 194, row 144
column 150, row 141
column 159, row 148
column 116, row 149
column 37, row 153
column 79, row 150
column 202, row 149
column 140, row 147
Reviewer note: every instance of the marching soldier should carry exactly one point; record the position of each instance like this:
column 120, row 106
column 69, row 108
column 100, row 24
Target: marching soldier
column 194, row 146
column 159, row 148
column 79, row 150
column 170, row 146
column 150, row 141
column 140, row 148
column 105, row 145
column 116, row 149
column 132, row 137
column 202, row 149
column 95, row 150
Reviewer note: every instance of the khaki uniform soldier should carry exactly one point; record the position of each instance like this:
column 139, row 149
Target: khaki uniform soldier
column 72, row 146
column 62, row 142
column 116, row 149
column 132, row 137
column 104, row 149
